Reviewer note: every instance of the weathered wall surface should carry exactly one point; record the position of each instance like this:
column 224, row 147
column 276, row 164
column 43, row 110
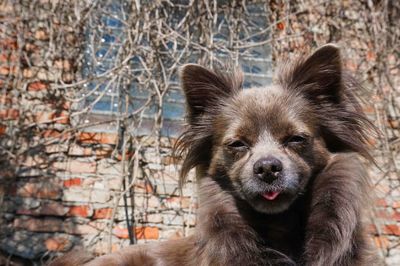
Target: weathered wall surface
column 64, row 173
column 61, row 186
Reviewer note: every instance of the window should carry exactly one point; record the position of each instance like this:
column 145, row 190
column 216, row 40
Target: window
column 134, row 48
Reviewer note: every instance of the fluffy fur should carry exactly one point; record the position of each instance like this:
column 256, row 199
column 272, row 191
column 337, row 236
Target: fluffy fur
column 280, row 180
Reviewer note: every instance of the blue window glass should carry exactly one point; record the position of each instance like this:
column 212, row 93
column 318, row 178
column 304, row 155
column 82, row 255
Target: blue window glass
column 121, row 76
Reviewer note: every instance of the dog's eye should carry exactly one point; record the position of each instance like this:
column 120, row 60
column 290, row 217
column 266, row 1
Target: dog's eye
column 296, row 139
column 237, row 145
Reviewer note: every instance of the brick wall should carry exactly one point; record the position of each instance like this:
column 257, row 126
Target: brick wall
column 60, row 183
column 61, row 186
column 74, row 207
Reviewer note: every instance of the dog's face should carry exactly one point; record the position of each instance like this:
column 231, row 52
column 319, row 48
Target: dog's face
column 269, row 148
column 267, row 143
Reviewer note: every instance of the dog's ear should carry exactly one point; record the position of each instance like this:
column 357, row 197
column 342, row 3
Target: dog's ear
column 319, row 76
column 204, row 88
column 331, row 92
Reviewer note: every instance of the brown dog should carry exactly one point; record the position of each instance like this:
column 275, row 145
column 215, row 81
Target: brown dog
column 280, row 182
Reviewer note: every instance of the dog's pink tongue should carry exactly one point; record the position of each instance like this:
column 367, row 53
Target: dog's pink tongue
column 271, row 195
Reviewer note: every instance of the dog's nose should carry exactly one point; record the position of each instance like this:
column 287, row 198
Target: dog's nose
column 267, row 169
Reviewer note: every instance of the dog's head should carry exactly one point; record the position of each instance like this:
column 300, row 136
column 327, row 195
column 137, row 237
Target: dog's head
column 267, row 143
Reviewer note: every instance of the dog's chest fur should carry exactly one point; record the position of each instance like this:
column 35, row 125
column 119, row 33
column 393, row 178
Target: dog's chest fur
column 282, row 232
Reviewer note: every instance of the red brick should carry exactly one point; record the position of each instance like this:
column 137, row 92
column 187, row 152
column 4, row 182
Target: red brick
column 37, row 86
column 49, row 117
column 391, row 229
column 280, row 26
column 58, row 244
column 381, row 203
column 9, row 43
column 104, row 213
column 4, row 70
column 48, row 192
column 52, row 133
column 46, row 208
column 73, row 182
column 9, row 114
column 53, row 208
column 3, row 129
column 371, row 56
column 396, row 216
column 145, row 232
column 8, row 58
column 26, row 212
column 4, row 58
column 45, row 190
column 82, row 211
column 39, row 224
column 103, row 138
column 61, row 117
column 9, row 70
